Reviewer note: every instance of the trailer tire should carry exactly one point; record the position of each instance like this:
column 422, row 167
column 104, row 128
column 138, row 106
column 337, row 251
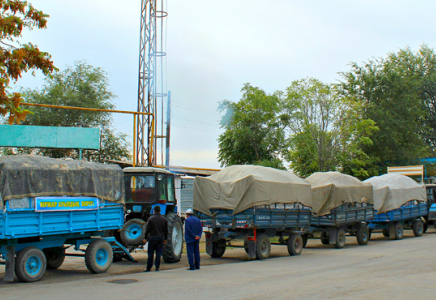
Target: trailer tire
column 305, row 239
column 385, row 232
column 362, row 235
column 295, row 244
column 172, row 250
column 263, row 246
column 133, row 232
column 398, row 231
column 418, row 228
column 219, row 248
column 117, row 257
column 324, row 238
column 340, row 238
column 369, row 234
column 30, row 264
column 425, row 227
column 55, row 257
column 246, row 246
column 98, row 256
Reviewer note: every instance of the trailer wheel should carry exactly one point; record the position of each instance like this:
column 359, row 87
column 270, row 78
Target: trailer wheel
column 340, row 238
column 305, row 239
column 246, row 246
column 55, row 257
column 263, row 246
column 324, row 238
column 369, row 234
column 385, row 232
column 117, row 257
column 172, row 250
column 362, row 235
column 219, row 248
column 425, row 227
column 418, row 228
column 398, row 231
column 133, row 232
column 30, row 264
column 295, row 244
column 98, row 256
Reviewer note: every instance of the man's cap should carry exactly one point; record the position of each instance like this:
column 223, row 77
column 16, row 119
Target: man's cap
column 189, row 212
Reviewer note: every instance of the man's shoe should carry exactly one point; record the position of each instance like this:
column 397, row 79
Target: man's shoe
column 157, row 269
column 189, row 269
column 197, row 268
column 146, row 270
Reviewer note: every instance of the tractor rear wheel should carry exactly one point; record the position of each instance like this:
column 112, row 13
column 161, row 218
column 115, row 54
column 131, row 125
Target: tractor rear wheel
column 172, row 250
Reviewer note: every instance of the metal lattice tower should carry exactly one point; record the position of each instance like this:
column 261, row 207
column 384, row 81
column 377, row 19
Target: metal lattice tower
column 151, row 86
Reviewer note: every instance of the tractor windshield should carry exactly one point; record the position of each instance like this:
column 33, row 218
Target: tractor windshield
column 140, row 188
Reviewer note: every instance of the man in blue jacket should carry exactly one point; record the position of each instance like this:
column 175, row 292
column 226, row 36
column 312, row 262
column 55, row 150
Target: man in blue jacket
column 193, row 231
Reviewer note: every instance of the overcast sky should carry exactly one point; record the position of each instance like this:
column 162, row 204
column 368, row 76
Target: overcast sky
column 214, row 47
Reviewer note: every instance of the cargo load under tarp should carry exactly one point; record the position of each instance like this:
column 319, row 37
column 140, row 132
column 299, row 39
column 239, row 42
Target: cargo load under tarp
column 332, row 189
column 238, row 188
column 391, row 191
column 35, row 176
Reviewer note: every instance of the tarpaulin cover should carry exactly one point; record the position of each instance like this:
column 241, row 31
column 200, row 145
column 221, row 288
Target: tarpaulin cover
column 332, row 189
column 393, row 190
column 238, row 188
column 34, row 176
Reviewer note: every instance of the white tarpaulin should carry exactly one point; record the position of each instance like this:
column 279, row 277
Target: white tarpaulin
column 393, row 190
column 239, row 187
column 332, row 189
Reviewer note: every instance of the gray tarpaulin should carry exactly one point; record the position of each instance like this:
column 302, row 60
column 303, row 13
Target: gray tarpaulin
column 238, row 188
column 393, row 190
column 33, row 176
column 332, row 189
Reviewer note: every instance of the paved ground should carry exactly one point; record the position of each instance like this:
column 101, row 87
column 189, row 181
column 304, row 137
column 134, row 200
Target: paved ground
column 384, row 270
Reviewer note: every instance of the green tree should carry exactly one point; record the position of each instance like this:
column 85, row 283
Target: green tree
column 398, row 93
column 78, row 86
column 253, row 134
column 16, row 58
column 326, row 130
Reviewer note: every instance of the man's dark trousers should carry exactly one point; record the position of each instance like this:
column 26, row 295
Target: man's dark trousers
column 155, row 244
column 193, row 250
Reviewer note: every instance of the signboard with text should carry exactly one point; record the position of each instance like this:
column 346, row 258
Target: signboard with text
column 65, row 203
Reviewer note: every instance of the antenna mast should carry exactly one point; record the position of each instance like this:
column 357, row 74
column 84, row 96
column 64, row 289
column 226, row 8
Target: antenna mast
column 151, row 86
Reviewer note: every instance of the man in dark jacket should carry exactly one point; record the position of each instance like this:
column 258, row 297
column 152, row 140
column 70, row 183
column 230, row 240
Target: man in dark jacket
column 193, row 231
column 156, row 234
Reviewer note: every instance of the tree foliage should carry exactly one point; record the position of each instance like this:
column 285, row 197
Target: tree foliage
column 16, row 58
column 78, row 86
column 327, row 131
column 398, row 93
column 252, row 129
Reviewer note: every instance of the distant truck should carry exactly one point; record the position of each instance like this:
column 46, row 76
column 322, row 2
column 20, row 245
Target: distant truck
column 400, row 203
column 253, row 204
column 49, row 205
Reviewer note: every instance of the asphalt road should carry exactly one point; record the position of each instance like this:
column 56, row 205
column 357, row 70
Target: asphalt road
column 383, row 269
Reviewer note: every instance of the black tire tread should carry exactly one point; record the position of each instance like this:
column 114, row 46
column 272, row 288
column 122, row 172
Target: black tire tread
column 137, row 241
column 293, row 239
column 167, row 252
column 90, row 262
column 362, row 235
column 55, row 257
column 261, row 237
column 20, row 264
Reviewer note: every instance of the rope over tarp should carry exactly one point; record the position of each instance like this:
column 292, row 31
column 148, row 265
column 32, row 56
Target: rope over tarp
column 35, row 176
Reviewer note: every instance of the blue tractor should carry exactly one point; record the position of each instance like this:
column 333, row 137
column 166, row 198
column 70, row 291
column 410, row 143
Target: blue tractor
column 145, row 188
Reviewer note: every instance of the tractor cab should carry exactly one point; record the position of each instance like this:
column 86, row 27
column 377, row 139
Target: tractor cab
column 147, row 187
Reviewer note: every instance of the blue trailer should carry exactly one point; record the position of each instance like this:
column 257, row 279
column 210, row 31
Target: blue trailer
column 256, row 226
column 49, row 205
column 408, row 216
column 332, row 228
column 35, row 232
